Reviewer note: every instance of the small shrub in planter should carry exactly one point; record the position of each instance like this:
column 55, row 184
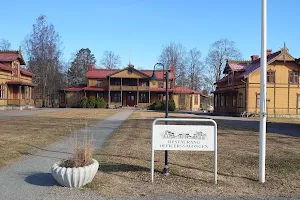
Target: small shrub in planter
column 83, row 103
column 78, row 170
column 100, row 103
column 92, row 102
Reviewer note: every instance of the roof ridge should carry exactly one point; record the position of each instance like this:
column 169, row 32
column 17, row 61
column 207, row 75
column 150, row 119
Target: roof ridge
column 9, row 51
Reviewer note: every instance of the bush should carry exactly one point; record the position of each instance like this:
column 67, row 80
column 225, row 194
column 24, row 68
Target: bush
column 84, row 102
column 172, row 105
column 100, row 103
column 161, row 105
column 92, row 102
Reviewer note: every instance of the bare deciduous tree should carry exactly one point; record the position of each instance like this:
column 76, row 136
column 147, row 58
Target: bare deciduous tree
column 42, row 47
column 216, row 58
column 4, row 44
column 194, row 69
column 174, row 54
column 111, row 60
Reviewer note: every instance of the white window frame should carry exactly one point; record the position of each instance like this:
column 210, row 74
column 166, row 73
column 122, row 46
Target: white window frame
column 3, row 91
column 100, row 83
column 257, row 100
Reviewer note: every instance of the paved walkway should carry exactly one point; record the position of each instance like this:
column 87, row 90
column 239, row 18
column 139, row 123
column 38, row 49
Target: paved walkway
column 20, row 113
column 30, row 178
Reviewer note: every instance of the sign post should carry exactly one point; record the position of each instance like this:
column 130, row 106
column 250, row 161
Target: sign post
column 184, row 138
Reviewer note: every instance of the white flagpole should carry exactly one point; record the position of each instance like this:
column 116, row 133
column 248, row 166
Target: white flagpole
column 263, row 98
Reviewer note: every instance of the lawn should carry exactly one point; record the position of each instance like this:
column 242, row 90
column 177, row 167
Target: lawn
column 125, row 164
column 20, row 135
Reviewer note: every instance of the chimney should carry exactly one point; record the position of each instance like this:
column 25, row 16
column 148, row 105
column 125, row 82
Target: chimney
column 254, row 57
column 269, row 51
column 90, row 68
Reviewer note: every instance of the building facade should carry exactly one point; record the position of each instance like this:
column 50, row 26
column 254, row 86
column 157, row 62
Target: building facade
column 130, row 87
column 239, row 90
column 15, row 82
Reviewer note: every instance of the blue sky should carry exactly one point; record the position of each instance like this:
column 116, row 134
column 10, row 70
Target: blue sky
column 142, row 27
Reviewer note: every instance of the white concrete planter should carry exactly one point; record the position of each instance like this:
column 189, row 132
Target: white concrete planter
column 76, row 176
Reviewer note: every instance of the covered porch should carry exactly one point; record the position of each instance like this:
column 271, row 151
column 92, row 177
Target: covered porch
column 130, row 98
column 19, row 93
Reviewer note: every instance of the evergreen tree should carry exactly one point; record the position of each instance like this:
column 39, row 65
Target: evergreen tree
column 79, row 66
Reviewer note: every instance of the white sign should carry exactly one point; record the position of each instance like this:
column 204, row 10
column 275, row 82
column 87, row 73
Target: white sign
column 183, row 137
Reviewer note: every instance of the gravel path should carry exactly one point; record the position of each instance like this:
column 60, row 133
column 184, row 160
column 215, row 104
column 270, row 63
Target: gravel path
column 30, row 178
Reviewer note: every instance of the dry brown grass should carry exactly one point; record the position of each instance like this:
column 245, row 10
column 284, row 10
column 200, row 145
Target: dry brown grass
column 23, row 135
column 125, row 164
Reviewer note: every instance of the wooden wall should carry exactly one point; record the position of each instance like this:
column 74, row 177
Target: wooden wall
column 282, row 95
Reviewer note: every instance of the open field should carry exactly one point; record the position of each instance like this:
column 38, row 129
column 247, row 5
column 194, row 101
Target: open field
column 23, row 135
column 125, row 164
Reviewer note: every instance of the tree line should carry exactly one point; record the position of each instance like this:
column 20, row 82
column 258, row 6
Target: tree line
column 43, row 50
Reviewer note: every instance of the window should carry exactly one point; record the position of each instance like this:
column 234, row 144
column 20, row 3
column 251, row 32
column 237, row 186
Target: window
column 23, row 92
column 116, row 98
column 298, row 97
column 99, row 95
column 62, row 97
column 222, row 100
column 234, row 101
column 294, row 77
column 226, row 100
column 144, row 83
column 99, row 83
column 216, row 100
column 257, row 100
column 240, row 102
column 143, row 97
column 230, row 81
column 196, row 99
column 27, row 92
column 160, row 96
column 271, row 76
column 129, row 71
column 2, row 91
column 160, row 85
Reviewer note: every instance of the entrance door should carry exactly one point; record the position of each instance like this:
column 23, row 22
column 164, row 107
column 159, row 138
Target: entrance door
column 130, row 100
column 15, row 92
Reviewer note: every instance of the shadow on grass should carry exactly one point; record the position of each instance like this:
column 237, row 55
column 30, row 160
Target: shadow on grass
column 125, row 168
column 41, row 179
column 119, row 167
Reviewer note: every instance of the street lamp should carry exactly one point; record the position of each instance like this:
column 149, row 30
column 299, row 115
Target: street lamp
column 154, row 77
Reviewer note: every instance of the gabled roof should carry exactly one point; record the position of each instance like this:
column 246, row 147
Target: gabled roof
column 15, row 82
column 100, row 73
column 253, row 66
column 9, row 56
column 129, row 68
column 247, row 69
column 4, row 67
column 233, row 65
column 25, row 72
column 104, row 73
